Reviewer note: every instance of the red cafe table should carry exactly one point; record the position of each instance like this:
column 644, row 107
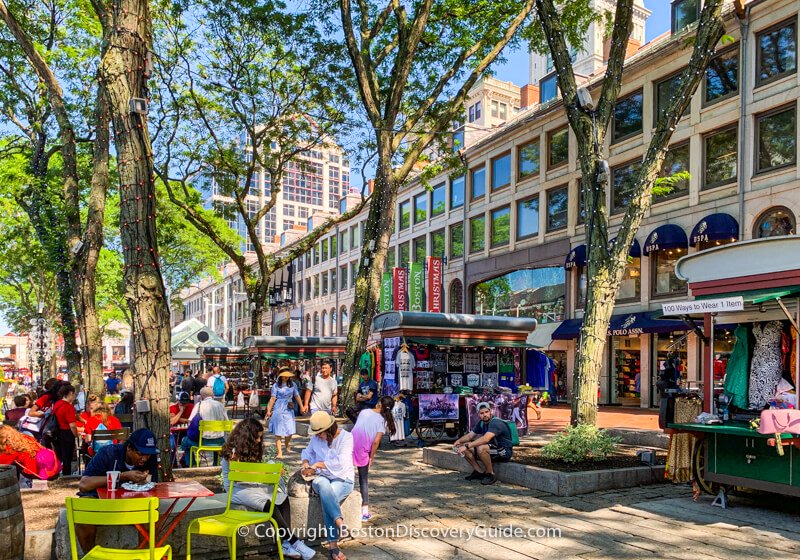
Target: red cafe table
column 174, row 491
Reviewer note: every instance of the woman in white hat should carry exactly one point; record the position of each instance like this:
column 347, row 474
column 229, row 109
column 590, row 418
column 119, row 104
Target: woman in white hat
column 330, row 456
column 281, row 410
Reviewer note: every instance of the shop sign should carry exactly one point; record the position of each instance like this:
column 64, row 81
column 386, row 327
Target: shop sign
column 294, row 327
column 386, row 292
column 721, row 305
column 627, row 327
column 400, row 286
column 434, row 284
column 415, row 287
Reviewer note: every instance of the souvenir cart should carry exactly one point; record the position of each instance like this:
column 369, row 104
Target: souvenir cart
column 451, row 362
column 748, row 438
column 233, row 363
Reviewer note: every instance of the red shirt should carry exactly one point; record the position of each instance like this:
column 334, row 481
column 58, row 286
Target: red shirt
column 187, row 410
column 43, row 402
column 65, row 414
column 111, row 423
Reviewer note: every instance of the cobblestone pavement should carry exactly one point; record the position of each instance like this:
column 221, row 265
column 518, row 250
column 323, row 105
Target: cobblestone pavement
column 658, row 521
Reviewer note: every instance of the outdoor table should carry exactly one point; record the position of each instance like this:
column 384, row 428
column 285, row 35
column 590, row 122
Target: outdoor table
column 163, row 491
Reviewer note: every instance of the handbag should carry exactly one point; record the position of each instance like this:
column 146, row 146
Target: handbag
column 776, row 421
column 31, row 424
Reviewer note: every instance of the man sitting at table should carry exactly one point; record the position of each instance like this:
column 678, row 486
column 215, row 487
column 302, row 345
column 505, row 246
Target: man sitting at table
column 181, row 411
column 135, row 459
column 208, row 409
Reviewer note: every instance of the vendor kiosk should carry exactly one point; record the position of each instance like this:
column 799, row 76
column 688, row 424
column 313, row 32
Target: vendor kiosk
column 451, row 362
column 754, row 287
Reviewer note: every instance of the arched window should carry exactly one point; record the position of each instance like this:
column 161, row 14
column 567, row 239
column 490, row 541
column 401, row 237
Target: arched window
column 316, row 324
column 334, row 329
column 456, row 297
column 344, row 324
column 308, row 325
column 775, row 221
column 324, row 323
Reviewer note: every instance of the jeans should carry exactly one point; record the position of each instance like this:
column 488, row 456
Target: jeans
column 331, row 494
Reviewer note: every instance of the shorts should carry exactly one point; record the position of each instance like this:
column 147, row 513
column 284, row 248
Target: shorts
column 500, row 454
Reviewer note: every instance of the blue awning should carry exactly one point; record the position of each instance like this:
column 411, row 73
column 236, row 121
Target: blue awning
column 624, row 324
column 715, row 227
column 668, row 236
column 576, row 257
column 635, row 250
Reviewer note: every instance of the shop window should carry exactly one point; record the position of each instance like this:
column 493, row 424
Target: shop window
column 420, row 207
column 456, row 297
column 557, row 208
column 676, row 160
column 537, row 293
column 477, row 234
column 722, row 76
column 528, row 159
column 420, row 250
column 626, row 367
column 478, row 182
column 501, row 224
column 671, row 358
column 581, row 288
column 630, row 286
column 438, row 204
column 528, row 217
column 775, row 222
column 405, row 254
column 557, row 148
column 405, row 214
column 720, row 158
column 776, row 138
column 665, row 90
column 776, row 54
column 665, row 281
column 684, row 13
column 437, row 243
column 457, row 191
column 628, row 116
column 457, row 241
column 501, row 172
column 548, row 88
column 623, row 186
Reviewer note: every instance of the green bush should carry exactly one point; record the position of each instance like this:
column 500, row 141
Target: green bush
column 580, row 443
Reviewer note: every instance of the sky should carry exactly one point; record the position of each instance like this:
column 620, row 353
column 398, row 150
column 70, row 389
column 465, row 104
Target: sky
column 516, row 68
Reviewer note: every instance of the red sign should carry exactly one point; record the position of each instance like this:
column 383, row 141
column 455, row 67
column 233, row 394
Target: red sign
column 434, row 284
column 400, row 284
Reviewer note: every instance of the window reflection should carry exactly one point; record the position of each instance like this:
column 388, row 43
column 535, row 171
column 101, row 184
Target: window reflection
column 537, row 293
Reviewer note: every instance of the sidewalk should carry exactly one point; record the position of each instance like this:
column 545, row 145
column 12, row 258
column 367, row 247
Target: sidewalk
column 554, row 419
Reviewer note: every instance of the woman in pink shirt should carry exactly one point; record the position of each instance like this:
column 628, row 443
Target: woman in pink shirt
column 368, row 431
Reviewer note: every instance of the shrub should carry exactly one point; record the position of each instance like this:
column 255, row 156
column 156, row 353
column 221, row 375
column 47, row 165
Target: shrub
column 580, row 443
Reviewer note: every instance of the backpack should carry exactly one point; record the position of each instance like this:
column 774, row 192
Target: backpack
column 193, row 431
column 219, row 386
column 513, row 432
column 49, row 433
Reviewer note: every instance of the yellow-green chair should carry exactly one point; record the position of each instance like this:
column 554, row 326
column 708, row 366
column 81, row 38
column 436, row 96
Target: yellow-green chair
column 133, row 511
column 209, row 426
column 227, row 524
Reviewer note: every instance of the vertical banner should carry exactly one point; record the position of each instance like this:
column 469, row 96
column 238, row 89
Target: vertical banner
column 434, row 284
column 386, row 292
column 415, row 287
column 400, row 286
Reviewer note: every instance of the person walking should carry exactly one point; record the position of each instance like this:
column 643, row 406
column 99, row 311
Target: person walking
column 323, row 394
column 281, row 410
column 64, row 411
column 368, row 431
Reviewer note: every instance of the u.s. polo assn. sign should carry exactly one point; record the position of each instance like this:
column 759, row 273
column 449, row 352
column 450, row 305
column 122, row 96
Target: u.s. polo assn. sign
column 722, row 305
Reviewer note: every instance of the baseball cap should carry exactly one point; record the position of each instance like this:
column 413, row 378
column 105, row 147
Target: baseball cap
column 184, row 398
column 483, row 405
column 144, row 441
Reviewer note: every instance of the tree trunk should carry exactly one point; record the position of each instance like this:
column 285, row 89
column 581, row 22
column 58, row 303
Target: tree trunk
column 256, row 318
column 123, row 76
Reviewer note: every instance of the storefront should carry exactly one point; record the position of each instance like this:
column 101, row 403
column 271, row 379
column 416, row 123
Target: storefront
column 271, row 352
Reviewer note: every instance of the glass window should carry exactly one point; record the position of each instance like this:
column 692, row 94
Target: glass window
column 478, row 180
column 458, row 139
column 630, row 287
column 317, row 252
column 548, row 89
column 777, row 139
column 720, row 158
column 623, row 186
column 777, row 52
column 495, row 108
column 438, row 203
column 557, row 148
column 405, row 214
column 774, row 222
column 471, row 113
column 457, row 191
column 457, row 240
column 477, row 110
column 437, row 243
column 665, row 89
column 557, row 206
column 344, row 240
column 537, row 293
column 324, row 283
column 628, row 116
column 675, row 161
column 325, row 249
column 343, row 279
column 665, row 282
column 722, row 76
column 503, row 111
column 528, row 217
column 420, row 250
column 456, row 297
column 581, row 203
column 501, row 225
column 501, row 172
column 684, row 13
column 405, row 254
column 528, row 159
column 391, row 259
column 477, row 227
column 334, row 284
column 420, row 207
column 333, row 247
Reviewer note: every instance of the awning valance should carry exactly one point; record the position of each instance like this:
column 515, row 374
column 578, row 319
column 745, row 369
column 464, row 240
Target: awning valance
column 668, row 236
column 715, row 227
column 295, row 347
column 576, row 258
column 223, row 353
column 624, row 324
column 635, row 250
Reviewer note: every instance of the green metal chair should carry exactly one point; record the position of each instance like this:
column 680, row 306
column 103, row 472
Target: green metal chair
column 209, row 426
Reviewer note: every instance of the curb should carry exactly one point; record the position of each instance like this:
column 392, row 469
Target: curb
column 39, row 544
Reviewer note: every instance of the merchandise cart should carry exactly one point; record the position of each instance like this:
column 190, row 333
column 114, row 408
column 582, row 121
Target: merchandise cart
column 753, row 284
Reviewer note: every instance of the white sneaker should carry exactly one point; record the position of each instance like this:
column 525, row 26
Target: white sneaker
column 290, row 551
column 306, row 551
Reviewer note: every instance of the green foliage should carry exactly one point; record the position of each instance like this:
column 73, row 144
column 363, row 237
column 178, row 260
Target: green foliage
column 580, row 443
column 664, row 186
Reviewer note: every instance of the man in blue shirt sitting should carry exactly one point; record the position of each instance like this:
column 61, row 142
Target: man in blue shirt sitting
column 366, row 396
column 488, row 442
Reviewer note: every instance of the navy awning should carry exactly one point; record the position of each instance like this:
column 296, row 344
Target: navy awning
column 635, row 250
column 624, row 324
column 715, row 227
column 668, row 236
column 576, row 257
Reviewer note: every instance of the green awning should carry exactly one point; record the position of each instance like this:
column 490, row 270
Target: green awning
column 488, row 343
column 302, row 355
column 759, row 296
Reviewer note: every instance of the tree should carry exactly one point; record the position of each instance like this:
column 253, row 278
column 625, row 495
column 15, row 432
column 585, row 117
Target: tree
column 246, row 92
column 606, row 263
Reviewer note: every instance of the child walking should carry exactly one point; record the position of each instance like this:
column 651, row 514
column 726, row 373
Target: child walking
column 370, row 426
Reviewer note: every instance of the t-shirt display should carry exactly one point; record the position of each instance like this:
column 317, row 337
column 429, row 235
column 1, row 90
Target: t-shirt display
column 405, row 369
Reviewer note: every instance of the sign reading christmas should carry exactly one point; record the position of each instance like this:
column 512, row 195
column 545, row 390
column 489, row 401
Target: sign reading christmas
column 400, row 276
column 434, row 284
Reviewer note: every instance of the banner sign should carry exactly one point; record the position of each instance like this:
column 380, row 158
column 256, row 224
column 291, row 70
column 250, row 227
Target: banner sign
column 704, row 306
column 400, row 284
column 434, row 284
column 386, row 292
column 512, row 408
column 415, row 287
column 438, row 407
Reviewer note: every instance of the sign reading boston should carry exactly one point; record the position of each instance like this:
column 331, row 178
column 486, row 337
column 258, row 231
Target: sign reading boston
column 703, row 306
